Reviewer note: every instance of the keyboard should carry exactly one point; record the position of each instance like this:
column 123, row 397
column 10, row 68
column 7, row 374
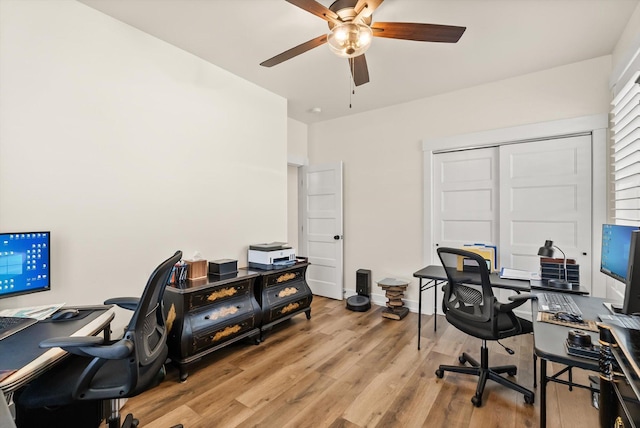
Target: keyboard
column 621, row 320
column 558, row 302
column 11, row 325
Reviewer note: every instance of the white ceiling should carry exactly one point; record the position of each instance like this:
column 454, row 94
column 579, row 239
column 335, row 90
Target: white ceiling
column 504, row 38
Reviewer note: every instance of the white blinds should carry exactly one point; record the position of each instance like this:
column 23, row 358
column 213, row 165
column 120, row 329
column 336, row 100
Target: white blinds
column 626, row 152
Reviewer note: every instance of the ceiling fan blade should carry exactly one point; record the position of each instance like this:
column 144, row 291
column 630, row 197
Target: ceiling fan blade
column 293, row 52
column 371, row 5
column 317, row 9
column 418, row 32
column 359, row 70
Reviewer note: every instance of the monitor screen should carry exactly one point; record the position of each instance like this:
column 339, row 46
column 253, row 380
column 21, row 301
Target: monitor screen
column 616, row 242
column 24, row 263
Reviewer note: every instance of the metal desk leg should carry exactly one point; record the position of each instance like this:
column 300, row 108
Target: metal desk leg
column 435, row 305
column 543, row 393
column 419, row 311
column 535, row 369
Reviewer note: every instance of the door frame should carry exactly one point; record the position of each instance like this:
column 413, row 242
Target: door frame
column 595, row 124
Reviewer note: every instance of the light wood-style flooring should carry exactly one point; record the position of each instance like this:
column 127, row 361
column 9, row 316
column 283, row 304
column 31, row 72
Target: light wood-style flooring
column 350, row 369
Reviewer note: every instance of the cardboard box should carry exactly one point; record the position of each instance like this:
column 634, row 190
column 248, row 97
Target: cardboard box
column 196, row 269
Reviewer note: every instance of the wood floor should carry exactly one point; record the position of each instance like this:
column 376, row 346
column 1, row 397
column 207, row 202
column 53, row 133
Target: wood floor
column 349, row 369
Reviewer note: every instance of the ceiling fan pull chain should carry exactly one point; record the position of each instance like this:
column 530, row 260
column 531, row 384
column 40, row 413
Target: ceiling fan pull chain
column 352, row 91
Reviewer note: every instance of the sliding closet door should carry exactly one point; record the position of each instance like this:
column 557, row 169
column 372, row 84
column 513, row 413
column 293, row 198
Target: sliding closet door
column 465, row 197
column 545, row 193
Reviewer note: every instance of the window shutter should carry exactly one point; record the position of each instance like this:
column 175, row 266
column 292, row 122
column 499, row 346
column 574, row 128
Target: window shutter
column 625, row 131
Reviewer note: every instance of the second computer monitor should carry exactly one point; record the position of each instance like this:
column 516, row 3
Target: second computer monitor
column 631, row 303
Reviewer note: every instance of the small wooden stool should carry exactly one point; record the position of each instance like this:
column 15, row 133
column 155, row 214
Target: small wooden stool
column 394, row 292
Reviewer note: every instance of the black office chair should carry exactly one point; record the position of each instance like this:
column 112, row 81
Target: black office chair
column 113, row 370
column 474, row 310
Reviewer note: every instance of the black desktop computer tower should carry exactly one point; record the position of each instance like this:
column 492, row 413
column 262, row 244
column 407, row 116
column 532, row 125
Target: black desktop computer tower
column 361, row 302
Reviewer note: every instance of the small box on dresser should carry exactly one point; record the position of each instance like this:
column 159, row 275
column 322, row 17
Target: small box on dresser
column 223, row 267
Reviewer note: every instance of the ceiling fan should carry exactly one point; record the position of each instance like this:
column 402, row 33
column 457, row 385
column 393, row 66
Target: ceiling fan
column 351, row 32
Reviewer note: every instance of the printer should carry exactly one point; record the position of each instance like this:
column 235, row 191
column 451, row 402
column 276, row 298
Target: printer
column 270, row 256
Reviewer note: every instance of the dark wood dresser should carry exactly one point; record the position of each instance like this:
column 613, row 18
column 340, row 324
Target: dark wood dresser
column 619, row 377
column 208, row 314
column 282, row 294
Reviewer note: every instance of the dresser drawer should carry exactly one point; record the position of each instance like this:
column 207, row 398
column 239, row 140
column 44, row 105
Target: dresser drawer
column 288, row 307
column 219, row 293
column 220, row 334
column 277, row 279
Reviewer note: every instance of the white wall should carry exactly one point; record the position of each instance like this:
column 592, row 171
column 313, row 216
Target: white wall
column 382, row 156
column 297, row 156
column 127, row 149
column 626, row 54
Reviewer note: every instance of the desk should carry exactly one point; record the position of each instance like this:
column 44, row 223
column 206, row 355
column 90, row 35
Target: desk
column 549, row 345
column 31, row 360
column 435, row 275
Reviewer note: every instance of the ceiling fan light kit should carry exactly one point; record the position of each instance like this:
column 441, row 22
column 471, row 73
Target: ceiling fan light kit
column 349, row 40
column 352, row 30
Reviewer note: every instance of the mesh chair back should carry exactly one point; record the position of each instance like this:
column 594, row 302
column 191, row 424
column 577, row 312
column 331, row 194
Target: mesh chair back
column 462, row 296
column 147, row 326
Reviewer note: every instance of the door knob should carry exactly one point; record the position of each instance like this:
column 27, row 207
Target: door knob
column 336, row 237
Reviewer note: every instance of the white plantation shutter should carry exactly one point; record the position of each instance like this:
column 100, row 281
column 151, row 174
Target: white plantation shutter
column 625, row 130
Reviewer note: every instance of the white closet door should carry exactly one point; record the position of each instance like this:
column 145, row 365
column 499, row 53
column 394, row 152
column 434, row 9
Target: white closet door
column 545, row 193
column 465, row 198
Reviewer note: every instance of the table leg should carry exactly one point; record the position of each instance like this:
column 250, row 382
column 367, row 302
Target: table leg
column 435, row 305
column 419, row 311
column 543, row 393
column 535, row 371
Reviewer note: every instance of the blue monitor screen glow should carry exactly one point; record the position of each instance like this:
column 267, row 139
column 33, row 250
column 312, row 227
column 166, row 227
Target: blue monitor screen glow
column 616, row 243
column 24, row 263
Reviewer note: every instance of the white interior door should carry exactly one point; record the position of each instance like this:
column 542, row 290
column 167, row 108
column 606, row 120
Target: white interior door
column 545, row 192
column 465, row 199
column 321, row 238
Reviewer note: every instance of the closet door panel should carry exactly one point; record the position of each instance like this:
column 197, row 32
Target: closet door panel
column 545, row 193
column 466, row 197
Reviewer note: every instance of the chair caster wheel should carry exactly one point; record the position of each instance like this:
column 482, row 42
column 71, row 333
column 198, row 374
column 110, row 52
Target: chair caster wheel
column 529, row 399
column 512, row 372
column 462, row 359
column 476, row 401
column 439, row 373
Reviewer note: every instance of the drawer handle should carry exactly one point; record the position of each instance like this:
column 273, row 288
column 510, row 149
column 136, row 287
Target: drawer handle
column 289, row 291
column 222, row 312
column 285, row 277
column 226, row 332
column 225, row 292
column 290, row 307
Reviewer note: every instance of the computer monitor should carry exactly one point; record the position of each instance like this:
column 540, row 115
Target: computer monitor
column 631, row 304
column 616, row 243
column 25, row 260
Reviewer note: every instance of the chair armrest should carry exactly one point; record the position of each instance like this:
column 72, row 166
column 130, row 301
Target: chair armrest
column 523, row 297
column 90, row 346
column 130, row 303
column 517, row 300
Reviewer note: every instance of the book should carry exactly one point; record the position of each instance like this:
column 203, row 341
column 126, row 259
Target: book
column 395, row 314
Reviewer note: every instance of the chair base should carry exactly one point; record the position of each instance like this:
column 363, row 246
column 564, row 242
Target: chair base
column 484, row 373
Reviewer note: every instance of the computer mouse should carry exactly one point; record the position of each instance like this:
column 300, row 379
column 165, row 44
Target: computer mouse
column 564, row 316
column 64, row 314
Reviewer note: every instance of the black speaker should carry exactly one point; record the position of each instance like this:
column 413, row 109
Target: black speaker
column 363, row 282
